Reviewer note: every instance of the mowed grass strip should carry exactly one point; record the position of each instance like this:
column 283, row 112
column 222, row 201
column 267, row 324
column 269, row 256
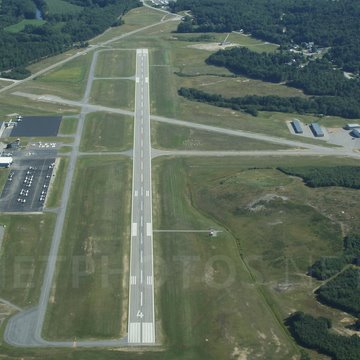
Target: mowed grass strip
column 115, row 63
column 23, row 258
column 107, row 132
column 68, row 126
column 89, row 299
column 174, row 137
column 114, row 93
column 206, row 299
column 68, row 81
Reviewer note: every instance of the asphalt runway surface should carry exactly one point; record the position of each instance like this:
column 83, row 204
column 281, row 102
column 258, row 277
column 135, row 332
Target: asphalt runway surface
column 37, row 126
column 27, row 185
column 141, row 317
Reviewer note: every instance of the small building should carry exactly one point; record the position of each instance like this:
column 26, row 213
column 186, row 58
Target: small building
column 297, row 126
column 355, row 133
column 316, row 130
column 13, row 145
column 352, row 126
column 5, row 162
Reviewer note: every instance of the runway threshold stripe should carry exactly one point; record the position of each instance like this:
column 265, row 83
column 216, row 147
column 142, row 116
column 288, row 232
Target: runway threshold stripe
column 148, row 333
column 134, row 333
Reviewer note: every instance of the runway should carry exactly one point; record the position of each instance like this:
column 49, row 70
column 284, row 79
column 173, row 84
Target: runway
column 141, row 317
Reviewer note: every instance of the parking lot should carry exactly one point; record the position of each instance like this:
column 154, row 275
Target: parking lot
column 27, row 186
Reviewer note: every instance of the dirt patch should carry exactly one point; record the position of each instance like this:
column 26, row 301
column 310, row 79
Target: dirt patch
column 240, row 354
column 258, row 204
column 212, row 46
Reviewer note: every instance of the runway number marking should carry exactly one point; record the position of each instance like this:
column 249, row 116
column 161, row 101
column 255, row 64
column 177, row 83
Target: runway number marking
column 139, row 314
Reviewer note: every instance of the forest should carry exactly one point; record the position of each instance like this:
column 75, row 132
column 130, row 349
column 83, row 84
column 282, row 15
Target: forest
column 60, row 32
column 342, row 292
column 324, row 105
column 328, row 266
column 315, row 333
column 330, row 24
column 345, row 176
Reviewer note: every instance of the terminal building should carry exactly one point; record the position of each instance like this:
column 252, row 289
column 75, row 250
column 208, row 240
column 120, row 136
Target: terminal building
column 297, row 126
column 316, row 130
column 5, row 161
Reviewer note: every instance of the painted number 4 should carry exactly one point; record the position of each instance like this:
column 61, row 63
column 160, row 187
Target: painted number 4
column 139, row 314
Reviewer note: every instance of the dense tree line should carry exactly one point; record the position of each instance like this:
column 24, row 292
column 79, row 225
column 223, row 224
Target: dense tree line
column 324, row 105
column 345, row 176
column 328, row 266
column 327, row 23
column 314, row 78
column 342, row 292
column 59, row 33
column 315, row 333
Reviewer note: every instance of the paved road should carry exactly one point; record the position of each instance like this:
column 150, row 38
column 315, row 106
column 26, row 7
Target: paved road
column 141, row 317
column 212, row 153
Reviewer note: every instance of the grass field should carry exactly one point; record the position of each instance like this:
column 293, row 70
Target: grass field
column 86, row 301
column 107, row 132
column 68, row 81
column 10, row 104
column 239, row 86
column 209, row 304
column 165, row 136
column 62, row 7
column 134, row 19
column 114, row 93
column 68, row 126
column 23, row 256
column 274, row 228
column 115, row 64
column 20, row 26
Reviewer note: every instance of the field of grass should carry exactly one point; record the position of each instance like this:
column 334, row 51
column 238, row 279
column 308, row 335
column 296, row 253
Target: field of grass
column 86, row 302
column 115, row 64
column 209, row 304
column 165, row 136
column 20, row 26
column 4, row 83
column 114, row 93
column 239, row 86
column 274, row 228
column 234, row 38
column 10, row 104
column 23, row 256
column 54, row 197
column 107, row 132
column 62, row 7
column 68, row 126
column 134, row 19
column 68, row 81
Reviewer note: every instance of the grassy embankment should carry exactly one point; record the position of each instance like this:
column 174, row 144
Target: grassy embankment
column 107, row 132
